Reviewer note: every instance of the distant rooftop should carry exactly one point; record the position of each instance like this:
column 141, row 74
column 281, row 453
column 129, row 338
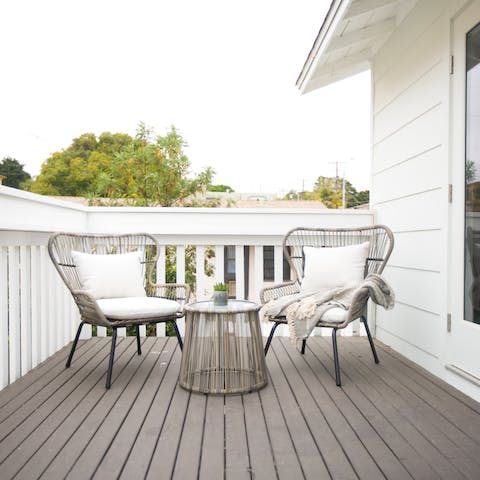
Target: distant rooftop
column 246, row 200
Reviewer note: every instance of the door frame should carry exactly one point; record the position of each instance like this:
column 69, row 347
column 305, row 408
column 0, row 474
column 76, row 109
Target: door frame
column 458, row 352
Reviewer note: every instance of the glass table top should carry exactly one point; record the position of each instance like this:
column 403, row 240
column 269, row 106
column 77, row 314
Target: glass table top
column 233, row 306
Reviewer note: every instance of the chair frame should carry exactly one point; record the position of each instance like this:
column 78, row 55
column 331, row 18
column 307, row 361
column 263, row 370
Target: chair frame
column 60, row 246
column 381, row 243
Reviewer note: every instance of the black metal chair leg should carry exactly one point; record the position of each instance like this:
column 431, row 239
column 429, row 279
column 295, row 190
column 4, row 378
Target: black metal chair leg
column 110, row 361
column 74, row 346
column 139, row 347
column 335, row 358
column 269, row 340
column 372, row 345
column 304, row 344
column 179, row 337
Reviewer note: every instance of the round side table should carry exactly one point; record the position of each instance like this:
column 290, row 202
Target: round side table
column 223, row 348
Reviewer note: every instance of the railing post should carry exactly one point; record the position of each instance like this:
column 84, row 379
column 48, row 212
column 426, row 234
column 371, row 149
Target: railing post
column 14, row 313
column 161, row 274
column 4, row 367
column 25, row 316
column 200, row 271
column 181, row 279
column 239, row 272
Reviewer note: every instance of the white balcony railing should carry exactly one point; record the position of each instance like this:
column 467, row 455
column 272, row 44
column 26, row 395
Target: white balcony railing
column 37, row 314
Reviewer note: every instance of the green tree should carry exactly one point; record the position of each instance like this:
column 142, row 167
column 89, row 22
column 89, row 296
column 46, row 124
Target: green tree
column 329, row 190
column 152, row 170
column 79, row 170
column 220, row 188
column 15, row 175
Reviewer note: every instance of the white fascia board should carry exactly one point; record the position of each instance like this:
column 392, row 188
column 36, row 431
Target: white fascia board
column 327, row 31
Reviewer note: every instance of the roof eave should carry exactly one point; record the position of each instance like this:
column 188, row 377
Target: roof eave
column 333, row 17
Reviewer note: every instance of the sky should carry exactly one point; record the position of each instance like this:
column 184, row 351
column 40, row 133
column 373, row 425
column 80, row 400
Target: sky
column 223, row 72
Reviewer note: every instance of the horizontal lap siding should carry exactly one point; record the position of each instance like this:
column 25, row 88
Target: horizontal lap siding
column 410, row 178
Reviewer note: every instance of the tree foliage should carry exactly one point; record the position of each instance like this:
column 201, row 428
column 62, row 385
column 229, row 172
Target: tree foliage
column 220, row 188
column 153, row 169
column 15, row 175
column 329, row 190
column 80, row 169
column 146, row 170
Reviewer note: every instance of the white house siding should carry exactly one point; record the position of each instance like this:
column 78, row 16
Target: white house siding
column 410, row 172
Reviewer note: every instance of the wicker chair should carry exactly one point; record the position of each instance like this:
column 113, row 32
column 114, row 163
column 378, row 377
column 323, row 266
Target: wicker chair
column 380, row 240
column 60, row 247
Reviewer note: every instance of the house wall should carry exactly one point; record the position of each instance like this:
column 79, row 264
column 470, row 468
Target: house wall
column 410, row 177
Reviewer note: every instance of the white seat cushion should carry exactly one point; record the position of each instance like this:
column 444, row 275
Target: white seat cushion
column 110, row 276
column 335, row 315
column 131, row 308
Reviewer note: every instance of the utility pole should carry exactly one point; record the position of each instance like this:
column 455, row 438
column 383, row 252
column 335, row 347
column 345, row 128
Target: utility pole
column 337, row 163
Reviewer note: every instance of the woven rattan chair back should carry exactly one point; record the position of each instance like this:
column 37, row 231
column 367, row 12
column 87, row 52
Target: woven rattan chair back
column 379, row 237
column 60, row 248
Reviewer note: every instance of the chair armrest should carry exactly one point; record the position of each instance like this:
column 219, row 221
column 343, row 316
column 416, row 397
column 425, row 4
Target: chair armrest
column 89, row 309
column 179, row 292
column 279, row 290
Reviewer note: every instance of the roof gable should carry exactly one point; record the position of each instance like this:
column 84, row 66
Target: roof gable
column 352, row 32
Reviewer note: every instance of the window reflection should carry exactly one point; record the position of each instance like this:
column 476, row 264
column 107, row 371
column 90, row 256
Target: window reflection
column 472, row 178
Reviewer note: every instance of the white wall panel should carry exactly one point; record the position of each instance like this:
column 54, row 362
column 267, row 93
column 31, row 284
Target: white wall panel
column 419, row 49
column 421, row 135
column 417, row 288
column 418, row 250
column 426, row 92
column 410, row 177
column 419, row 174
column 422, row 211
column 408, row 324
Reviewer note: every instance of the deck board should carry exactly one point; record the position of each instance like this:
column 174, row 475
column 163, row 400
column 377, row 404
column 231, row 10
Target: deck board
column 391, row 420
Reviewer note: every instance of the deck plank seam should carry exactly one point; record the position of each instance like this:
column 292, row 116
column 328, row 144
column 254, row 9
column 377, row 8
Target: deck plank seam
column 429, row 462
column 275, row 389
column 44, row 386
column 332, row 430
column 134, row 400
column 118, row 373
column 383, row 383
column 454, row 394
column 154, row 396
column 202, row 438
column 442, row 401
column 67, row 379
column 405, row 417
column 25, row 379
column 161, row 429
column 432, row 464
column 182, row 429
column 268, row 431
column 360, row 413
column 52, row 412
column 250, row 467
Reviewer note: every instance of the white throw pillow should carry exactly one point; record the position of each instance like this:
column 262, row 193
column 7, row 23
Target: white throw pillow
column 110, row 276
column 332, row 267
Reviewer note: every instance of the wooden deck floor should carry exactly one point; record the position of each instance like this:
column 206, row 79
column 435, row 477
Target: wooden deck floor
column 391, row 420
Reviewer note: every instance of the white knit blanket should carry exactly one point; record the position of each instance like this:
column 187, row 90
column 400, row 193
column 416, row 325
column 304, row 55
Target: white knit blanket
column 304, row 311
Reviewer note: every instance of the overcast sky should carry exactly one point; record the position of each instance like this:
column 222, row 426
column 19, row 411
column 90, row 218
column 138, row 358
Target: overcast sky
column 222, row 72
